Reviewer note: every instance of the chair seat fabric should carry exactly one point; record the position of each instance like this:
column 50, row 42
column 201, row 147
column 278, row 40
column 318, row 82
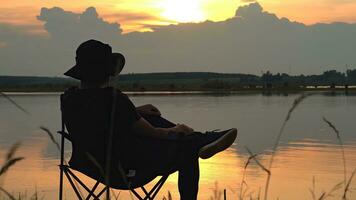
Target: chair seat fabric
column 86, row 114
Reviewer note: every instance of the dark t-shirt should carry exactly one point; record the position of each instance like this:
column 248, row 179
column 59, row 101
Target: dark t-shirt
column 87, row 116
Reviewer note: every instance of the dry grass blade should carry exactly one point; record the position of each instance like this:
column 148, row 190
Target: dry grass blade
column 51, row 136
column 322, row 196
column 10, row 161
column 169, row 196
column 34, row 195
column 12, row 150
column 347, row 188
column 216, row 192
column 14, row 103
column 116, row 196
column 312, row 191
column 259, row 194
column 244, row 192
column 257, row 161
column 335, row 188
column 244, row 175
column 325, row 195
column 333, row 127
column 250, row 194
column 7, row 193
column 8, row 164
column 249, row 160
column 295, row 104
column 259, row 164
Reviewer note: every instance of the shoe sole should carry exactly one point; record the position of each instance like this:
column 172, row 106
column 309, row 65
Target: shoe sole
column 218, row 145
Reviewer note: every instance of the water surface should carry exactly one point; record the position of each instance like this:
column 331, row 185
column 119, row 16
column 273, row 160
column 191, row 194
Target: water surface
column 308, row 150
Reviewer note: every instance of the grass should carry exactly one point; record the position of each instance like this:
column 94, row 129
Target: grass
column 332, row 126
column 347, row 188
column 11, row 160
column 295, row 104
column 268, row 169
column 242, row 192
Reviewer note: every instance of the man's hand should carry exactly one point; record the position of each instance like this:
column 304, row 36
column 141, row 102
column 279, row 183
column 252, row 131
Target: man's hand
column 182, row 128
column 148, row 109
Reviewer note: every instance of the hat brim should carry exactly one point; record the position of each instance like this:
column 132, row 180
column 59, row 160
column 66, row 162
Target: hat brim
column 73, row 72
column 119, row 61
column 78, row 71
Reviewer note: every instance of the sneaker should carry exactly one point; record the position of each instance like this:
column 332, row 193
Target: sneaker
column 218, row 145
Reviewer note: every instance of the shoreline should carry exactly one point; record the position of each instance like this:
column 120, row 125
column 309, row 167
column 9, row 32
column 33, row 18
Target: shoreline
column 202, row 92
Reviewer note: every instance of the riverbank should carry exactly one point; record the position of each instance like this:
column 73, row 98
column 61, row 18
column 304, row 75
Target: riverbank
column 194, row 81
column 272, row 91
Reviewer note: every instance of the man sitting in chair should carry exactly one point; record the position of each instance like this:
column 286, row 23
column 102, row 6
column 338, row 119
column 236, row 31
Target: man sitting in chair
column 144, row 145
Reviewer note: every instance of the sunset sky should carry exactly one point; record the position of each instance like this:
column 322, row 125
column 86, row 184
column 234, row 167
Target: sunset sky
column 242, row 36
column 139, row 15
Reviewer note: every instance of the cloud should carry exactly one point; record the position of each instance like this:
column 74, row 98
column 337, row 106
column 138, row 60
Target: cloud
column 252, row 41
column 69, row 26
column 137, row 21
column 253, row 9
column 27, row 54
column 132, row 16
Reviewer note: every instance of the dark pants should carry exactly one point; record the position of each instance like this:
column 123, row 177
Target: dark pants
column 176, row 154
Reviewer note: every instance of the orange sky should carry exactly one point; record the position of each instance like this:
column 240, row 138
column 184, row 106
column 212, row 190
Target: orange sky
column 140, row 14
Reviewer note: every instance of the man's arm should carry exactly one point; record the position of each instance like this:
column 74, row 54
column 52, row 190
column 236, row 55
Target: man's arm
column 143, row 127
column 148, row 109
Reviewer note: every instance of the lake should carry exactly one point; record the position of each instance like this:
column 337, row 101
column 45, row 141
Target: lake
column 308, row 158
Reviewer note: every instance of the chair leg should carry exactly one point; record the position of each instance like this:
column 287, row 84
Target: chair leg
column 62, row 155
column 72, row 184
column 145, row 191
column 136, row 194
column 60, row 183
column 154, row 191
column 161, row 183
column 101, row 192
column 91, row 193
column 78, row 180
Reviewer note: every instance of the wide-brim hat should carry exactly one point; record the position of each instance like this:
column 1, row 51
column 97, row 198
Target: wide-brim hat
column 95, row 61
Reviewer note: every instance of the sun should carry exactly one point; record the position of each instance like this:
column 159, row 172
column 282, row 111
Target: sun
column 182, row 10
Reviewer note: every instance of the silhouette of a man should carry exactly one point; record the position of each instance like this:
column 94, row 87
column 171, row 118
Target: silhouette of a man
column 143, row 140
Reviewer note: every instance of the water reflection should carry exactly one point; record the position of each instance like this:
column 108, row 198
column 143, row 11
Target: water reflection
column 308, row 148
column 293, row 172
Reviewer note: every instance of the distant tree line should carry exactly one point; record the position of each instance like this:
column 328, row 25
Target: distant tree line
column 328, row 78
column 186, row 81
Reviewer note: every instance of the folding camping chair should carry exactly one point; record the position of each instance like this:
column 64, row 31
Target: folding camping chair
column 92, row 192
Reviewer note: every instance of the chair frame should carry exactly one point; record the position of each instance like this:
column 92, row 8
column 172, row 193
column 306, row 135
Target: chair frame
column 73, row 179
